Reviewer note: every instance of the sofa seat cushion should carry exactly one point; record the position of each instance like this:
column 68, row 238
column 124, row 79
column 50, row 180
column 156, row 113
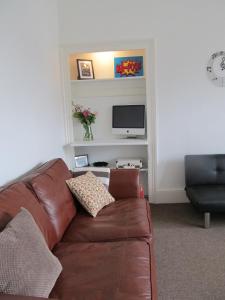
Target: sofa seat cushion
column 115, row 271
column 49, row 184
column 207, row 198
column 17, row 195
column 123, row 219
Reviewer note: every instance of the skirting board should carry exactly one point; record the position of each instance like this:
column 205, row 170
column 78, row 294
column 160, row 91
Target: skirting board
column 169, row 196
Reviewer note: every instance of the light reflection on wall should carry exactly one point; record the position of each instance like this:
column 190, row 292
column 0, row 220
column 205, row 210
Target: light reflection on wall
column 105, row 63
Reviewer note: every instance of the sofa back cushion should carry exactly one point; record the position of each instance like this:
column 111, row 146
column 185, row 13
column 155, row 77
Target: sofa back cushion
column 17, row 195
column 49, row 184
column 204, row 169
column 5, row 218
column 124, row 183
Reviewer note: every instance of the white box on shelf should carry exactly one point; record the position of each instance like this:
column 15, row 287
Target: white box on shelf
column 129, row 163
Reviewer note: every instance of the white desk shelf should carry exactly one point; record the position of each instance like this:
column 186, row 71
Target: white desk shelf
column 113, row 142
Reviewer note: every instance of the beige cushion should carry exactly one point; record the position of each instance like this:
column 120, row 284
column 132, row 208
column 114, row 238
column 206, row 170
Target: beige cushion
column 90, row 192
column 102, row 173
column 27, row 266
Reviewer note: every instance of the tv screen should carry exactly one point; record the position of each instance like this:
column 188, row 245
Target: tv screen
column 128, row 116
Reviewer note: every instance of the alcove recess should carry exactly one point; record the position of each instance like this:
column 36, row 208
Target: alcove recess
column 100, row 94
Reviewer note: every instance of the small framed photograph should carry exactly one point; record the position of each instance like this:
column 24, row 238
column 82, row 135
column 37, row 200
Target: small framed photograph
column 81, row 161
column 85, row 69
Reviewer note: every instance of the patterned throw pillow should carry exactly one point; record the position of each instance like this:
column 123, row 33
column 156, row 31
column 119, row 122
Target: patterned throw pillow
column 90, row 192
column 27, row 266
column 102, row 173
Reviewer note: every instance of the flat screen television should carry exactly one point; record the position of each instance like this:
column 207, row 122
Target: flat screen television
column 128, row 120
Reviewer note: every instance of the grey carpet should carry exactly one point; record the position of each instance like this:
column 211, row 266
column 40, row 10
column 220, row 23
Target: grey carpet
column 190, row 259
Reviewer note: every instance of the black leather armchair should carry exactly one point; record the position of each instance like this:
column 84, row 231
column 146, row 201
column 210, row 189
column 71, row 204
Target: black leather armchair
column 205, row 183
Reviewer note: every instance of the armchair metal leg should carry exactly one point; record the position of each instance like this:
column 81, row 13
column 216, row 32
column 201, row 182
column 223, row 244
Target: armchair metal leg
column 207, row 219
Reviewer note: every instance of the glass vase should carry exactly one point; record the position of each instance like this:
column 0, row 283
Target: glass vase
column 88, row 135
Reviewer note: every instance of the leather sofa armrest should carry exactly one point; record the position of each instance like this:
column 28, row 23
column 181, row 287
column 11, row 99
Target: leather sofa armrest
column 124, row 183
column 14, row 297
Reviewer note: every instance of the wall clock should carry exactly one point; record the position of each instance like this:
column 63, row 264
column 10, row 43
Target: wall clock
column 216, row 68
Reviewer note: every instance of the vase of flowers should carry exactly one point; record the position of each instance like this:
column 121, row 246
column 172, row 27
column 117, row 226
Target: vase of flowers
column 88, row 134
column 86, row 118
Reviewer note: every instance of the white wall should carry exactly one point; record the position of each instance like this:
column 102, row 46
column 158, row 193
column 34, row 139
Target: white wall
column 31, row 128
column 190, row 110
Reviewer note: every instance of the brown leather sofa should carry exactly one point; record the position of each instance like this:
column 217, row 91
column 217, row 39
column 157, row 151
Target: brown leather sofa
column 109, row 257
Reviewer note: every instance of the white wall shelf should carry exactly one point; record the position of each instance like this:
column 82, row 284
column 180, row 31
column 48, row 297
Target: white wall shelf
column 145, row 169
column 107, row 79
column 112, row 142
